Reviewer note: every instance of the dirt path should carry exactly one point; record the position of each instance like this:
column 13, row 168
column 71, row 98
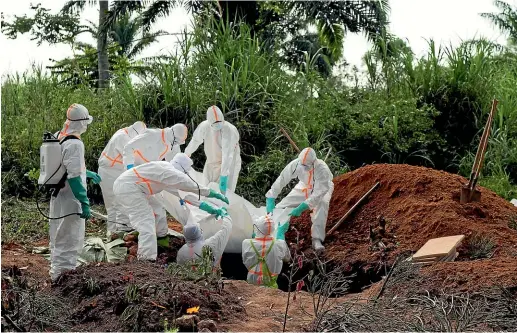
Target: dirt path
column 34, row 265
column 265, row 309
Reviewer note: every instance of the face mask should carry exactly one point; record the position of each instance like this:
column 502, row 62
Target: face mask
column 217, row 126
column 84, row 126
column 306, row 168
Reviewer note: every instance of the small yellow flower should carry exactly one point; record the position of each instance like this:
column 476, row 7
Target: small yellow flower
column 194, row 309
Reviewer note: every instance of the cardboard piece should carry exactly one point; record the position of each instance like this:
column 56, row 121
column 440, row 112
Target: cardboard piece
column 438, row 247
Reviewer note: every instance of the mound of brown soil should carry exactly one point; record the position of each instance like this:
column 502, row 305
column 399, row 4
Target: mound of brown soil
column 137, row 296
column 417, row 204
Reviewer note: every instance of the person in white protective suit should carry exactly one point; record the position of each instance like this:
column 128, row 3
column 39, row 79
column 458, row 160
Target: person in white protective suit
column 313, row 191
column 71, row 207
column 222, row 150
column 194, row 241
column 110, row 167
column 134, row 191
column 155, row 145
column 264, row 255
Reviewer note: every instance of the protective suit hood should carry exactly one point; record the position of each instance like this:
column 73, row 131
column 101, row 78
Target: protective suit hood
column 180, row 133
column 192, row 232
column 182, row 162
column 77, row 120
column 136, row 129
column 215, row 118
column 307, row 157
column 265, row 226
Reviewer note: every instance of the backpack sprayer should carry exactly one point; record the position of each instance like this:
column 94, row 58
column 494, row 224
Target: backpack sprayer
column 53, row 174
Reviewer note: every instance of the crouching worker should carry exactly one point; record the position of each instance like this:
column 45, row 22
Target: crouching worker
column 195, row 242
column 313, row 192
column 71, row 207
column 264, row 255
column 135, row 189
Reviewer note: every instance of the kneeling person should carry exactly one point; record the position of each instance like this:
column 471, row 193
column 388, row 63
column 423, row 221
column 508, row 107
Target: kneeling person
column 135, row 189
column 193, row 248
column 264, row 255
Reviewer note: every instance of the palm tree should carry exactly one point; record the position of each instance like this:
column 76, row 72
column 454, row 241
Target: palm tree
column 126, row 40
column 102, row 36
column 284, row 21
column 506, row 20
column 126, row 31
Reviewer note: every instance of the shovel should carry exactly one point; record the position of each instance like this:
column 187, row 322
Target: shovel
column 469, row 192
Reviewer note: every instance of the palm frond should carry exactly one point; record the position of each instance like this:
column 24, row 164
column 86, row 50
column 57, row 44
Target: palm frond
column 156, row 10
column 506, row 21
column 120, row 8
column 72, row 6
column 332, row 36
column 148, row 39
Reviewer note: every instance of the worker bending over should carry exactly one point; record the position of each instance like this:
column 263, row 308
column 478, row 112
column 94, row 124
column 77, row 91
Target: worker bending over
column 134, row 191
column 155, row 145
column 67, row 233
column 110, row 167
column 264, row 255
column 313, row 191
column 223, row 154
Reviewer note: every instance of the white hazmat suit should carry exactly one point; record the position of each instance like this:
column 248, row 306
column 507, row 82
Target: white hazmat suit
column 67, row 233
column 313, row 191
column 134, row 191
column 222, row 150
column 264, row 255
column 193, row 248
column 110, row 167
column 155, row 145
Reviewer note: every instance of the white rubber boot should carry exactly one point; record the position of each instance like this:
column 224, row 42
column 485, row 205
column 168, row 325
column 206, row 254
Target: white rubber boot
column 317, row 246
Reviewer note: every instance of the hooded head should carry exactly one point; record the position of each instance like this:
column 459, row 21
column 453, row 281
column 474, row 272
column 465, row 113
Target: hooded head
column 264, row 226
column 180, row 133
column 307, row 158
column 215, row 118
column 182, row 162
column 192, row 232
column 77, row 120
column 136, row 129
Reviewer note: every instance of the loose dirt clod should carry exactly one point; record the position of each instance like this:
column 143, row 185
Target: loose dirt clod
column 137, row 296
column 417, row 204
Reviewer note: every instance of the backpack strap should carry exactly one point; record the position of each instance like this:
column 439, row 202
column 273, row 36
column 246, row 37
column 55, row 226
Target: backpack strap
column 62, row 181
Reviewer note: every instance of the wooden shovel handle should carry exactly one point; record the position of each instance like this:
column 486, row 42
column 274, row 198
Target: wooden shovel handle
column 351, row 210
column 485, row 143
column 482, row 146
column 290, row 140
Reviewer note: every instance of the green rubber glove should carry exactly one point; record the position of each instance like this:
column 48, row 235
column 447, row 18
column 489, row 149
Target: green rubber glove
column 79, row 191
column 281, row 230
column 300, row 209
column 218, row 212
column 222, row 197
column 163, row 241
column 96, row 179
column 223, row 184
column 270, row 205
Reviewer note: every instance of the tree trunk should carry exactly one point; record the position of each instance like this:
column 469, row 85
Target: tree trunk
column 102, row 47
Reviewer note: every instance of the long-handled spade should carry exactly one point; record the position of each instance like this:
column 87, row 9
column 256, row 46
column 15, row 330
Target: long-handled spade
column 469, row 192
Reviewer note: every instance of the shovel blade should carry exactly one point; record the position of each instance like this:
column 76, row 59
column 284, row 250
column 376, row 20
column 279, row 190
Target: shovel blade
column 469, row 196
